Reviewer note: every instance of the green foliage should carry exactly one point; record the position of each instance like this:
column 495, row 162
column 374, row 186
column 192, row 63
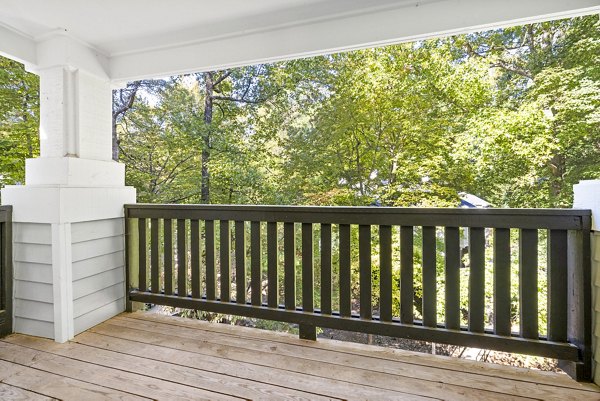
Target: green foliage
column 19, row 120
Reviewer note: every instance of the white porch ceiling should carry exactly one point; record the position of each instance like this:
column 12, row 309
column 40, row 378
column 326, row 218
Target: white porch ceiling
column 147, row 38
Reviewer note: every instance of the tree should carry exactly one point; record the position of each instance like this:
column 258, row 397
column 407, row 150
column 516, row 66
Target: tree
column 19, row 120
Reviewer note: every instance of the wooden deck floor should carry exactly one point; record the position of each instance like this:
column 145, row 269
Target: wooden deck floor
column 145, row 356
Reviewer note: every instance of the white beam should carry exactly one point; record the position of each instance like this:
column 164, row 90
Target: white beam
column 408, row 22
column 17, row 46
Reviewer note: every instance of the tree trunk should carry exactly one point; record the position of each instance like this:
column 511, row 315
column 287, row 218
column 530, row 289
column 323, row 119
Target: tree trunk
column 208, row 116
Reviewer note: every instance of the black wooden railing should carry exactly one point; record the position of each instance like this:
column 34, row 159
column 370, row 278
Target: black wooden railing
column 198, row 257
column 6, row 279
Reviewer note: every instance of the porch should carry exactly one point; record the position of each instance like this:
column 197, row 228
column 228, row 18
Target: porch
column 141, row 355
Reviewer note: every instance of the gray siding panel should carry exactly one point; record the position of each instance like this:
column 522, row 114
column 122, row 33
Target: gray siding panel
column 32, row 233
column 99, row 315
column 98, row 282
column 35, row 272
column 91, row 230
column 34, row 327
column 34, row 253
column 97, row 247
column 34, row 291
column 34, row 310
column 99, row 264
column 98, row 299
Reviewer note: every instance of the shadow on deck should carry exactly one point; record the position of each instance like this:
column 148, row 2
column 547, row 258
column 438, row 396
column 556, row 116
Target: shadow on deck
column 146, row 356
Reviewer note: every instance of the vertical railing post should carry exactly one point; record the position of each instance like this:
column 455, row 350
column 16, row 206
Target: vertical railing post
column 6, row 271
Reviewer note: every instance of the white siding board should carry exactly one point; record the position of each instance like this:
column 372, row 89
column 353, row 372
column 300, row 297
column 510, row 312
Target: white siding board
column 34, row 327
column 34, row 310
column 98, row 299
column 89, row 267
column 98, row 282
column 97, row 247
column 35, row 253
column 36, row 272
column 32, row 233
column 99, row 315
column 91, row 230
column 33, row 291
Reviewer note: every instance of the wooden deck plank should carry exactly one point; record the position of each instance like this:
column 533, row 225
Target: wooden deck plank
column 170, row 370
column 111, row 378
column 414, row 358
column 13, row 393
column 432, row 373
column 340, row 367
column 299, row 381
column 56, row 386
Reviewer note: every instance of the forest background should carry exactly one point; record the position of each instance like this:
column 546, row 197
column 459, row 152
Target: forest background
column 510, row 115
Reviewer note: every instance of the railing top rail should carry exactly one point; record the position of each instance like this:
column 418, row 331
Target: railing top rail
column 562, row 219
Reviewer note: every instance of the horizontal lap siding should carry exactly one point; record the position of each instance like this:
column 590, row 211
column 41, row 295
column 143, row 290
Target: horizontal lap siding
column 98, row 271
column 33, row 302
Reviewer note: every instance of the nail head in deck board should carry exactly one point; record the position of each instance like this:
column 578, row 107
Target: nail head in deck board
column 345, row 272
column 255, row 264
column 364, row 265
column 195, row 257
column 225, row 260
column 154, row 268
column 429, row 277
column 240, row 262
column 452, row 273
column 407, row 294
column 476, row 279
column 181, row 259
column 289, row 262
column 307, row 268
column 326, row 283
column 168, row 256
column 142, row 285
column 502, row 297
column 557, row 285
column 211, row 277
column 528, row 283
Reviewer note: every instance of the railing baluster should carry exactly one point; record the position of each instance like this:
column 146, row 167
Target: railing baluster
column 142, row 252
column 225, row 260
column 272, row 279
column 528, row 286
column 154, row 272
column 240, row 262
column 452, row 270
column 255, row 264
column 476, row 279
column 289, row 265
column 181, row 259
column 557, row 285
column 406, row 275
column 307, row 268
column 502, row 298
column 345, row 275
column 385, row 273
column 195, row 257
column 168, row 256
column 326, row 269
column 364, row 264
column 429, row 278
column 211, row 277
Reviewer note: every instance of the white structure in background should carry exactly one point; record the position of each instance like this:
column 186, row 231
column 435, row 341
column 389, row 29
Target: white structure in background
column 68, row 217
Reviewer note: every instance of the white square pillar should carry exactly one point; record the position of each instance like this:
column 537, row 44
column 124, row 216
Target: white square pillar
column 68, row 218
column 587, row 196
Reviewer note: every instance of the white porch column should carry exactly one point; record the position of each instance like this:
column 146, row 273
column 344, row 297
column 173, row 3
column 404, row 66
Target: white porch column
column 587, row 196
column 68, row 217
